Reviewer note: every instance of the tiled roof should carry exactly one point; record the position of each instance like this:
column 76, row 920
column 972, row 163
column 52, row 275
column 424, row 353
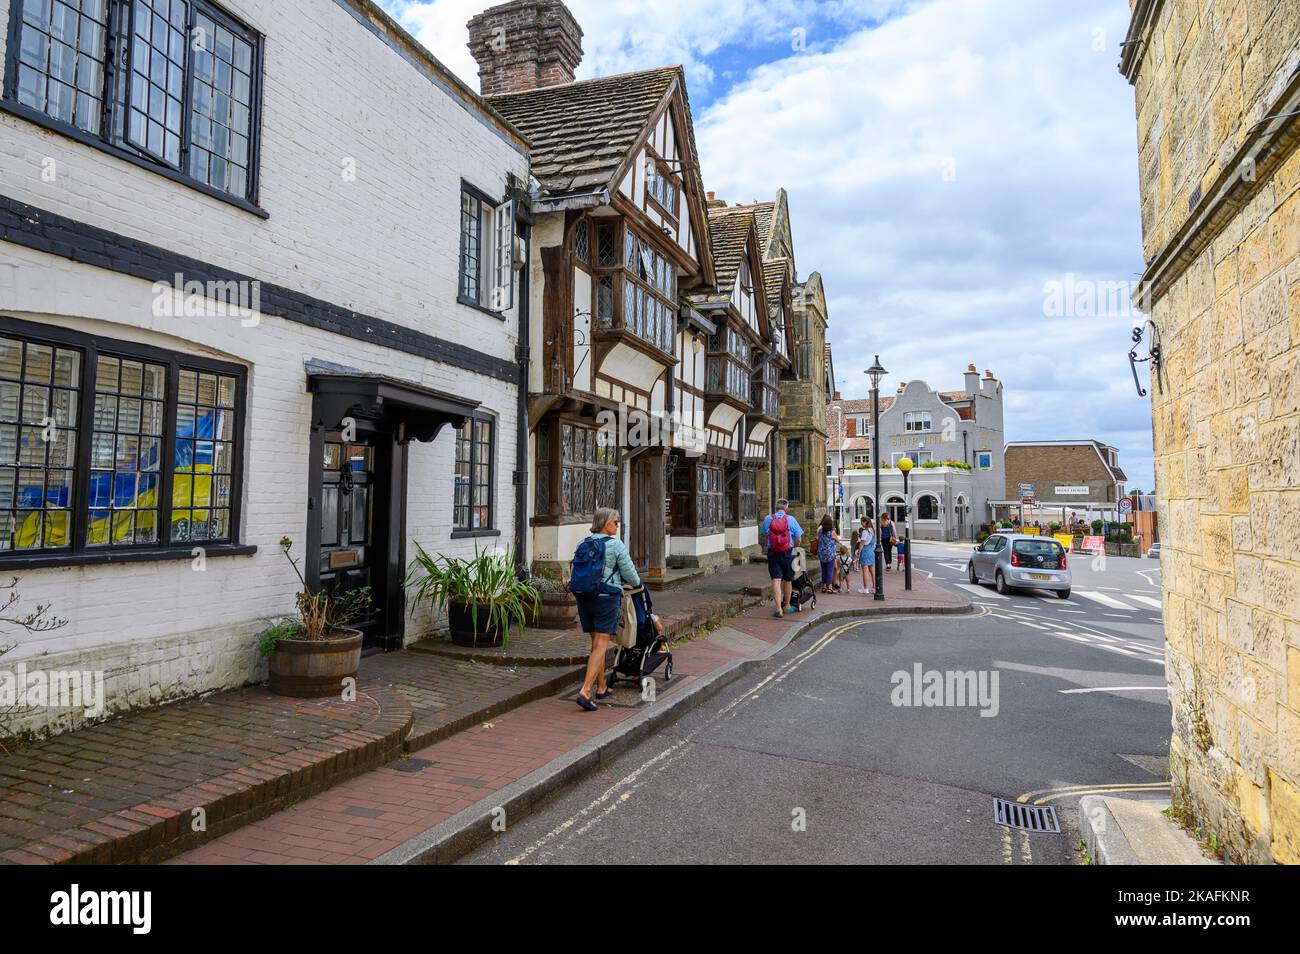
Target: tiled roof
column 774, row 271
column 582, row 132
column 728, row 231
column 837, row 440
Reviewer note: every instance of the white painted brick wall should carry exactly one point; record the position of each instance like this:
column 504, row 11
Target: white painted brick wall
column 384, row 245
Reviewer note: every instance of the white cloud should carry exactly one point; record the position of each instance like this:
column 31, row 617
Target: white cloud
column 866, row 128
column 942, row 167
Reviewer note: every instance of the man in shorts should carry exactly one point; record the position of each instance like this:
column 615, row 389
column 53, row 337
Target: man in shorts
column 783, row 533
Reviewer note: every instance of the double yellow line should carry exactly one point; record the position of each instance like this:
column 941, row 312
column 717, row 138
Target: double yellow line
column 1069, row 791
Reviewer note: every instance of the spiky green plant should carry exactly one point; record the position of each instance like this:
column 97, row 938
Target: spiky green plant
column 486, row 582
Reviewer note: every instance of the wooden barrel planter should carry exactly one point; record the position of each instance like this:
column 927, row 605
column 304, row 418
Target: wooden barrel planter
column 557, row 611
column 315, row 668
column 463, row 631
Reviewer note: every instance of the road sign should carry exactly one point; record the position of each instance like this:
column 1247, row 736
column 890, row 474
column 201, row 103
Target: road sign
column 1027, row 491
column 1126, row 505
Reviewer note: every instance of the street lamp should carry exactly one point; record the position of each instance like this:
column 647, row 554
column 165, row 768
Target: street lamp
column 905, row 465
column 876, row 373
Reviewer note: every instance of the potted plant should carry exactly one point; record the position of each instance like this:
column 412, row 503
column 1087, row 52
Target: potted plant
column 310, row 655
column 559, row 607
column 482, row 596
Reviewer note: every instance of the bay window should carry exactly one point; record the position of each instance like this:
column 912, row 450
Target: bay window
column 109, row 446
column 172, row 84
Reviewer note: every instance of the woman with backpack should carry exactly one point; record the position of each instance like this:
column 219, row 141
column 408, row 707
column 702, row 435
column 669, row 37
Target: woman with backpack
column 601, row 568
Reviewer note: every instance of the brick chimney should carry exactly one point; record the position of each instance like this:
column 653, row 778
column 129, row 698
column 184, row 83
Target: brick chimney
column 525, row 44
column 972, row 380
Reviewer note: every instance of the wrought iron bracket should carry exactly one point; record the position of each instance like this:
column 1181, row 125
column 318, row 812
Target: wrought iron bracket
column 1154, row 357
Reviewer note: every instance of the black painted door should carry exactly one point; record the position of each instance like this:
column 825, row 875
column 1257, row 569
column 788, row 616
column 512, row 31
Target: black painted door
column 350, row 552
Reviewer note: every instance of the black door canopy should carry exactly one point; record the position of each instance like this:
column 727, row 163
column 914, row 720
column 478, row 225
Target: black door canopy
column 410, row 411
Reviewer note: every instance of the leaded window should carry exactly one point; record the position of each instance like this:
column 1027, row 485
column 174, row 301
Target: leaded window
column 203, row 460
column 472, row 496
column 222, row 94
column 709, row 498
column 126, row 452
column 38, row 443
column 61, row 50
column 160, row 433
column 588, row 469
column 136, row 62
column 487, row 235
column 661, row 186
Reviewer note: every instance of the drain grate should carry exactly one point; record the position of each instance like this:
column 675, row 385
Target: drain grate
column 410, row 765
column 1039, row 818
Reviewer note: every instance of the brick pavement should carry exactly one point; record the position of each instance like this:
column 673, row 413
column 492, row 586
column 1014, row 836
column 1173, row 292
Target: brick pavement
column 126, row 790
column 360, row 820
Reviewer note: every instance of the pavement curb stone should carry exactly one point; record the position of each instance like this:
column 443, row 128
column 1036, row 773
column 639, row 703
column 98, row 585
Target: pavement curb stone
column 465, row 831
column 1109, row 823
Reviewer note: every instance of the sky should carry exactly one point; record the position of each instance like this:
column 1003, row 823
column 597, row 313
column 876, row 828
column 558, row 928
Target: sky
column 952, row 166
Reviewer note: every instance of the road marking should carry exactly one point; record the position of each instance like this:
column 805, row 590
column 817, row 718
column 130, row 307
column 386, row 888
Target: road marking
column 1025, row 622
column 1082, row 639
column 1155, row 787
column 1083, row 789
column 982, row 591
column 1117, row 649
column 614, row 797
column 1146, row 599
column 1102, row 598
column 1076, row 612
column 1070, row 692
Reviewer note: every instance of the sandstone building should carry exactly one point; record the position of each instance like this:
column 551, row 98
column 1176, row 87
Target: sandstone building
column 1217, row 89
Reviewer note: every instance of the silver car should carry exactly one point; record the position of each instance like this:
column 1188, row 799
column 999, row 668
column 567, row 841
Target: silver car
column 1013, row 560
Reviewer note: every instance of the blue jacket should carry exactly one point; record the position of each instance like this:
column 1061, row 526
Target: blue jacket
column 796, row 531
column 618, row 559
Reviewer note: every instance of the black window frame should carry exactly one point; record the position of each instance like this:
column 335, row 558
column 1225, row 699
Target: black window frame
column 459, row 531
column 104, row 140
column 90, row 347
column 488, row 246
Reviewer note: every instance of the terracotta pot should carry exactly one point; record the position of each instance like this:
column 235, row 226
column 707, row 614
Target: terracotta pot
column 315, row 668
column 465, row 633
column 557, row 611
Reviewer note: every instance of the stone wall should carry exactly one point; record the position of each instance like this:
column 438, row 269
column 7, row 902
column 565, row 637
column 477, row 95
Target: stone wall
column 1224, row 250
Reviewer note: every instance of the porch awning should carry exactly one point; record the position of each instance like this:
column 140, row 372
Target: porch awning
column 411, row 411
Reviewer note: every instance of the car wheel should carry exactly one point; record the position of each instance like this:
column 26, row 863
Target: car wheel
column 970, row 573
column 1063, row 594
column 1002, row 583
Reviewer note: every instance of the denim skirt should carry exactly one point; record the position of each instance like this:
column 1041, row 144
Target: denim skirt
column 598, row 612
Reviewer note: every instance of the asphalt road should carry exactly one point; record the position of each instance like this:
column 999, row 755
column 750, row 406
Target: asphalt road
column 812, row 759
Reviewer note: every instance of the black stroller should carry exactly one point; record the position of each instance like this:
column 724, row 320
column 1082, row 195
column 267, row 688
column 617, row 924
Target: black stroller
column 803, row 592
column 651, row 650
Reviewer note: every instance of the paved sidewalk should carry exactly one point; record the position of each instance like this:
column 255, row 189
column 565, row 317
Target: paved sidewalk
column 134, row 788
column 393, row 808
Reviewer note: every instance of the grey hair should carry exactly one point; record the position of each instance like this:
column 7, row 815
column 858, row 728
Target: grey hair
column 603, row 516
column 782, row 504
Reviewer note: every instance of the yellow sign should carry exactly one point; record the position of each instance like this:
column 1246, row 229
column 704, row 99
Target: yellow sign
column 1065, row 540
column 1031, row 531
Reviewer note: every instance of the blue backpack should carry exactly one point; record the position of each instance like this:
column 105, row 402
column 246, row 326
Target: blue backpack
column 588, row 573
